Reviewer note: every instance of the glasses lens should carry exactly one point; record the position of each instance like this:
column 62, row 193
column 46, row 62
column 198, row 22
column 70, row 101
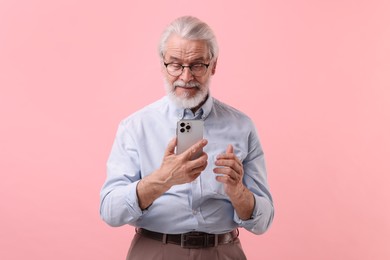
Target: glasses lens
column 174, row 69
column 198, row 69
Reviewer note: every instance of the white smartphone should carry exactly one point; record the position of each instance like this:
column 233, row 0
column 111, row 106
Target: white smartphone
column 188, row 133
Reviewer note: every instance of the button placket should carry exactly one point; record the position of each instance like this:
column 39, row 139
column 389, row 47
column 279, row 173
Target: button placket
column 196, row 196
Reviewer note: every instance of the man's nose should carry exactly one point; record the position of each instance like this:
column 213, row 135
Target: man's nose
column 186, row 76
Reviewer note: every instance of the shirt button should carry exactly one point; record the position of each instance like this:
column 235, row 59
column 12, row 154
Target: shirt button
column 194, row 212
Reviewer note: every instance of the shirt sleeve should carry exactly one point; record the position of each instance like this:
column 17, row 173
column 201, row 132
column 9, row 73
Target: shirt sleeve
column 255, row 179
column 118, row 196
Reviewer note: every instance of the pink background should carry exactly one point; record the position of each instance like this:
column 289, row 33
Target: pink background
column 313, row 75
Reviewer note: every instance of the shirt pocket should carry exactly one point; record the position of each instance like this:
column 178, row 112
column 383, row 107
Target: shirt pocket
column 211, row 186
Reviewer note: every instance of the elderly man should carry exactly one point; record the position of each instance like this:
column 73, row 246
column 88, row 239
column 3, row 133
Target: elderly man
column 185, row 208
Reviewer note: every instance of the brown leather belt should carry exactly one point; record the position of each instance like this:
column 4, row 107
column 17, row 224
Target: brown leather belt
column 191, row 239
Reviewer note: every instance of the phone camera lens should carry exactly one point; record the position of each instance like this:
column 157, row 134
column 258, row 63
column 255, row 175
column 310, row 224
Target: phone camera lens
column 188, row 127
column 182, row 130
column 182, row 124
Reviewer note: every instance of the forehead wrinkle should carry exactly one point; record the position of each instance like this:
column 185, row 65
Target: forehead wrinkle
column 186, row 50
column 186, row 54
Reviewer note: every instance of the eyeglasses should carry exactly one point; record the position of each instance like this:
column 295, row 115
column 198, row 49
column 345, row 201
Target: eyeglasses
column 176, row 69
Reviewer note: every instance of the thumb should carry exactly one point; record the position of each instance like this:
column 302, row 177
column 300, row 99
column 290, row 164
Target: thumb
column 171, row 147
column 229, row 149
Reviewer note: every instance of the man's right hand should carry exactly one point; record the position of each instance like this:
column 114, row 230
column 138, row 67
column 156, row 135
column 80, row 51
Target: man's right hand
column 179, row 169
column 175, row 169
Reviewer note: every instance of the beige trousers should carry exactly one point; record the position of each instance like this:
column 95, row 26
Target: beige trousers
column 143, row 248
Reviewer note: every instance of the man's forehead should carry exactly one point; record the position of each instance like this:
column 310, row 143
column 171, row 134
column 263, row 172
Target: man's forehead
column 179, row 49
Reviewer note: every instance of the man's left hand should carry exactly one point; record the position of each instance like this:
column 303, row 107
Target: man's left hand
column 230, row 171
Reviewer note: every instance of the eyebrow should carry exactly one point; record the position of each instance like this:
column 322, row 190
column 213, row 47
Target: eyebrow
column 200, row 59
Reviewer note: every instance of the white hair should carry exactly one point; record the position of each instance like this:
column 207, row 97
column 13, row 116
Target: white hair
column 190, row 28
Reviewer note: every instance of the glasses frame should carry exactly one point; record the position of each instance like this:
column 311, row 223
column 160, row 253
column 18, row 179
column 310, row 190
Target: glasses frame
column 186, row 66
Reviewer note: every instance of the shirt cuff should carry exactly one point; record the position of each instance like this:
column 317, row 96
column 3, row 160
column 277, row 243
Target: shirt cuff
column 255, row 223
column 244, row 223
column 132, row 201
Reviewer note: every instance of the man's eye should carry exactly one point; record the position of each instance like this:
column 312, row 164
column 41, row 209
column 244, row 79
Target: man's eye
column 197, row 67
column 175, row 66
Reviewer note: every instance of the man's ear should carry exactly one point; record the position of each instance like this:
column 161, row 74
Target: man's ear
column 214, row 67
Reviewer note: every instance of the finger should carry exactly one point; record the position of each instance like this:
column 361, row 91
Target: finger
column 171, row 147
column 225, row 162
column 230, row 163
column 198, row 146
column 223, row 158
column 229, row 149
column 228, row 172
column 225, row 179
column 198, row 170
column 199, row 162
column 227, row 156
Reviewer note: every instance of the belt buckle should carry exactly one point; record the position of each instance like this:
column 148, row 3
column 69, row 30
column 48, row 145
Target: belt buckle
column 192, row 241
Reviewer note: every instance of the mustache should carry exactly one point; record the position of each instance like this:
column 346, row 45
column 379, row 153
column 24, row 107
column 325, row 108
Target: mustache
column 191, row 84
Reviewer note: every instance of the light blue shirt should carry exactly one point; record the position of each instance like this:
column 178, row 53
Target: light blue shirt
column 201, row 205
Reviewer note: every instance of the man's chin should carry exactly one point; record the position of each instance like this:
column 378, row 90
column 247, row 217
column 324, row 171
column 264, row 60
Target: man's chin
column 186, row 92
column 187, row 102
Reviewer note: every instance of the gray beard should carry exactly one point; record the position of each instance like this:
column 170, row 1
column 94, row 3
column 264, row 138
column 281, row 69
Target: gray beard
column 184, row 101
